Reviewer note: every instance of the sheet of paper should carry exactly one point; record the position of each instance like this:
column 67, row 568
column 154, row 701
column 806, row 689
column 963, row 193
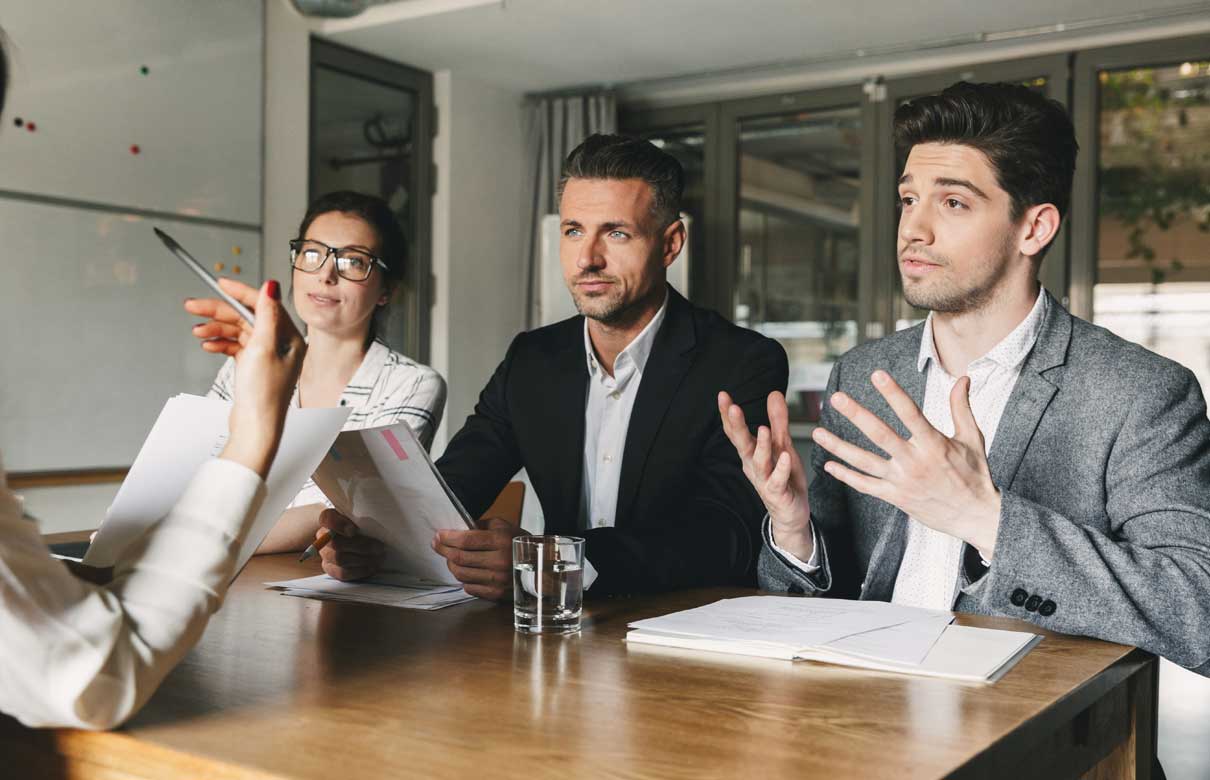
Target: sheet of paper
column 427, row 597
column 907, row 643
column 189, row 431
column 382, row 480
column 793, row 622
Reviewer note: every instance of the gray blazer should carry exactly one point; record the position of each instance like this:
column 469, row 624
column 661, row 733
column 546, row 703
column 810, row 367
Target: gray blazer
column 1102, row 457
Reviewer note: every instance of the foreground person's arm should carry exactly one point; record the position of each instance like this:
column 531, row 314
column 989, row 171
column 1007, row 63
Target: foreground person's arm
column 75, row 654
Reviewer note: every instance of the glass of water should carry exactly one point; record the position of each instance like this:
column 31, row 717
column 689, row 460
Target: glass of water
column 548, row 584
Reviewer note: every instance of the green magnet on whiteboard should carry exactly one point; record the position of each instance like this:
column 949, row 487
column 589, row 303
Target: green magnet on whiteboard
column 144, row 70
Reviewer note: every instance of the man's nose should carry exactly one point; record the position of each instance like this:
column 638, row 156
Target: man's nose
column 591, row 255
column 915, row 226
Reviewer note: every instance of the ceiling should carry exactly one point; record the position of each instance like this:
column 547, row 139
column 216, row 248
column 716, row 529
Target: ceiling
column 538, row 45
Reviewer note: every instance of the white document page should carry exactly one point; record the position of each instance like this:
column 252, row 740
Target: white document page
column 382, row 480
column 189, row 431
column 795, row 623
column 426, row 597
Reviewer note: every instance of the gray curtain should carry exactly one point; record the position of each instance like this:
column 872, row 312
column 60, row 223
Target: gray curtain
column 556, row 125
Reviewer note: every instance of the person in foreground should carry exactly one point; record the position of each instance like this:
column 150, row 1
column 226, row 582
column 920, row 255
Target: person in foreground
column 612, row 413
column 1004, row 457
column 78, row 654
column 348, row 260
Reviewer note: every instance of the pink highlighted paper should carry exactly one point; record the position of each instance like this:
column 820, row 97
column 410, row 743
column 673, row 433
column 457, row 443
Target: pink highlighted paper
column 396, row 447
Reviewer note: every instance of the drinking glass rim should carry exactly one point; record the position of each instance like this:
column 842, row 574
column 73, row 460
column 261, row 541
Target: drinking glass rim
column 548, row 539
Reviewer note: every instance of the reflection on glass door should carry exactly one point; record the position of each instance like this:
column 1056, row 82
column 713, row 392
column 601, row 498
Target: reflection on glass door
column 1153, row 230
column 370, row 122
column 688, row 146
column 796, row 276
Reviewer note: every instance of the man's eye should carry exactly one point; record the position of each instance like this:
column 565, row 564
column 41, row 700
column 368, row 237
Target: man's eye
column 572, row 232
column 618, row 234
column 954, row 203
column 906, row 200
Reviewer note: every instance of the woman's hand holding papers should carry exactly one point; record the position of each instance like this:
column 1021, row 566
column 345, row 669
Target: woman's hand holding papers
column 268, row 358
column 773, row 467
column 349, row 556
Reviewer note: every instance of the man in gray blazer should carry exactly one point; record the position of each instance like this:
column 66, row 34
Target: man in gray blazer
column 1004, row 457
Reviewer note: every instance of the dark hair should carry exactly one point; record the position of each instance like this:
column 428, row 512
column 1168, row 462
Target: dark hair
column 1027, row 137
column 623, row 157
column 392, row 245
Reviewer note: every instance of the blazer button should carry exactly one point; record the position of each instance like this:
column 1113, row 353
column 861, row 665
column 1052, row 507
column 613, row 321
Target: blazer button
column 1047, row 609
column 1033, row 603
column 1018, row 598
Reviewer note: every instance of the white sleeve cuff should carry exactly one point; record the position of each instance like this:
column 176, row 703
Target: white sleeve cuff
column 811, row 566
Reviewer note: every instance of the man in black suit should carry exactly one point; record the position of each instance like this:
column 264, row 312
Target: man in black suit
column 613, row 414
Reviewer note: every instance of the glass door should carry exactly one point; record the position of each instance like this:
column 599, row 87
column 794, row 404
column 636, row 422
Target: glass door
column 1145, row 139
column 371, row 131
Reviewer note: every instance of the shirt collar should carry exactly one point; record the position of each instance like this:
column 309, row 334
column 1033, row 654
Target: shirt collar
column 637, row 351
column 1010, row 352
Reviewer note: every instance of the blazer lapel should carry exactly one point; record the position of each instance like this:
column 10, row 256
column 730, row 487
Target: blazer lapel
column 566, row 394
column 671, row 356
column 1030, row 397
column 884, row 562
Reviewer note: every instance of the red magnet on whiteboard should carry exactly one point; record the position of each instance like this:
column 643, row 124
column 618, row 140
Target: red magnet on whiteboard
column 30, row 126
column 134, row 149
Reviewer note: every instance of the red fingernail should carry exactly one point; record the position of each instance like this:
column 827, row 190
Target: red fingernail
column 274, row 289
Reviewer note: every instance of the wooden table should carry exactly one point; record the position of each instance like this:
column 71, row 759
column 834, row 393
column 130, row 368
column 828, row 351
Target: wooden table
column 282, row 687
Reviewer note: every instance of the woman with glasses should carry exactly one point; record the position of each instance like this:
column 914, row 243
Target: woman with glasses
column 348, row 260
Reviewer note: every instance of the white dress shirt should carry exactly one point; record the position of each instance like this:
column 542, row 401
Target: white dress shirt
column 606, row 420
column 79, row 655
column 928, row 573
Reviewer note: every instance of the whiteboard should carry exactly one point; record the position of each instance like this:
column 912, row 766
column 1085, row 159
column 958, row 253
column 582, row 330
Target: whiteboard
column 94, row 336
column 195, row 116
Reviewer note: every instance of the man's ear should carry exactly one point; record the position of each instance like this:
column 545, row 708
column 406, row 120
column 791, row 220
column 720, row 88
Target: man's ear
column 674, row 241
column 1038, row 228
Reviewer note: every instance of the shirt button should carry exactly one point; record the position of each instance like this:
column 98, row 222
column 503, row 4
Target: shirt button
column 343, row 402
column 600, row 522
column 615, row 395
column 608, row 459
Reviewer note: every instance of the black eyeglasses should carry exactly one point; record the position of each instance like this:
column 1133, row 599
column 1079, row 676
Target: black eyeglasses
column 308, row 256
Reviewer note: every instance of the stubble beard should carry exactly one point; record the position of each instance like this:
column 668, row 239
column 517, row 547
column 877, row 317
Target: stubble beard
column 947, row 296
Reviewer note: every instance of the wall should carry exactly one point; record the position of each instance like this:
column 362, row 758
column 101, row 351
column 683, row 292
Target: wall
column 287, row 101
column 478, row 222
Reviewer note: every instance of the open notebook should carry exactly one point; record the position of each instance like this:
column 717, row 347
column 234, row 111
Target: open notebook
column 865, row 634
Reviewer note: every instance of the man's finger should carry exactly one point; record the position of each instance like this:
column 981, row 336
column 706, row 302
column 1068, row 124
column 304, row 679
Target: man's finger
column 779, row 421
column 865, row 460
column 868, row 423
column 860, row 482
column 473, row 559
column 474, row 540
column 735, row 426
column 762, row 455
column 476, row 576
column 966, row 428
column 904, row 407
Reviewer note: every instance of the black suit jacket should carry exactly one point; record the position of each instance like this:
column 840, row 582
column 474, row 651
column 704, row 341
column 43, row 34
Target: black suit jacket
column 686, row 515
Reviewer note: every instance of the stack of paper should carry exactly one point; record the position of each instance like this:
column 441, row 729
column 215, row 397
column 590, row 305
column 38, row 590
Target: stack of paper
column 866, row 634
column 383, row 480
column 189, row 431
column 385, row 590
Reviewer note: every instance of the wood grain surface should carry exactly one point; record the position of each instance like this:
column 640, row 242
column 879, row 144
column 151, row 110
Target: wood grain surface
column 282, row 687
